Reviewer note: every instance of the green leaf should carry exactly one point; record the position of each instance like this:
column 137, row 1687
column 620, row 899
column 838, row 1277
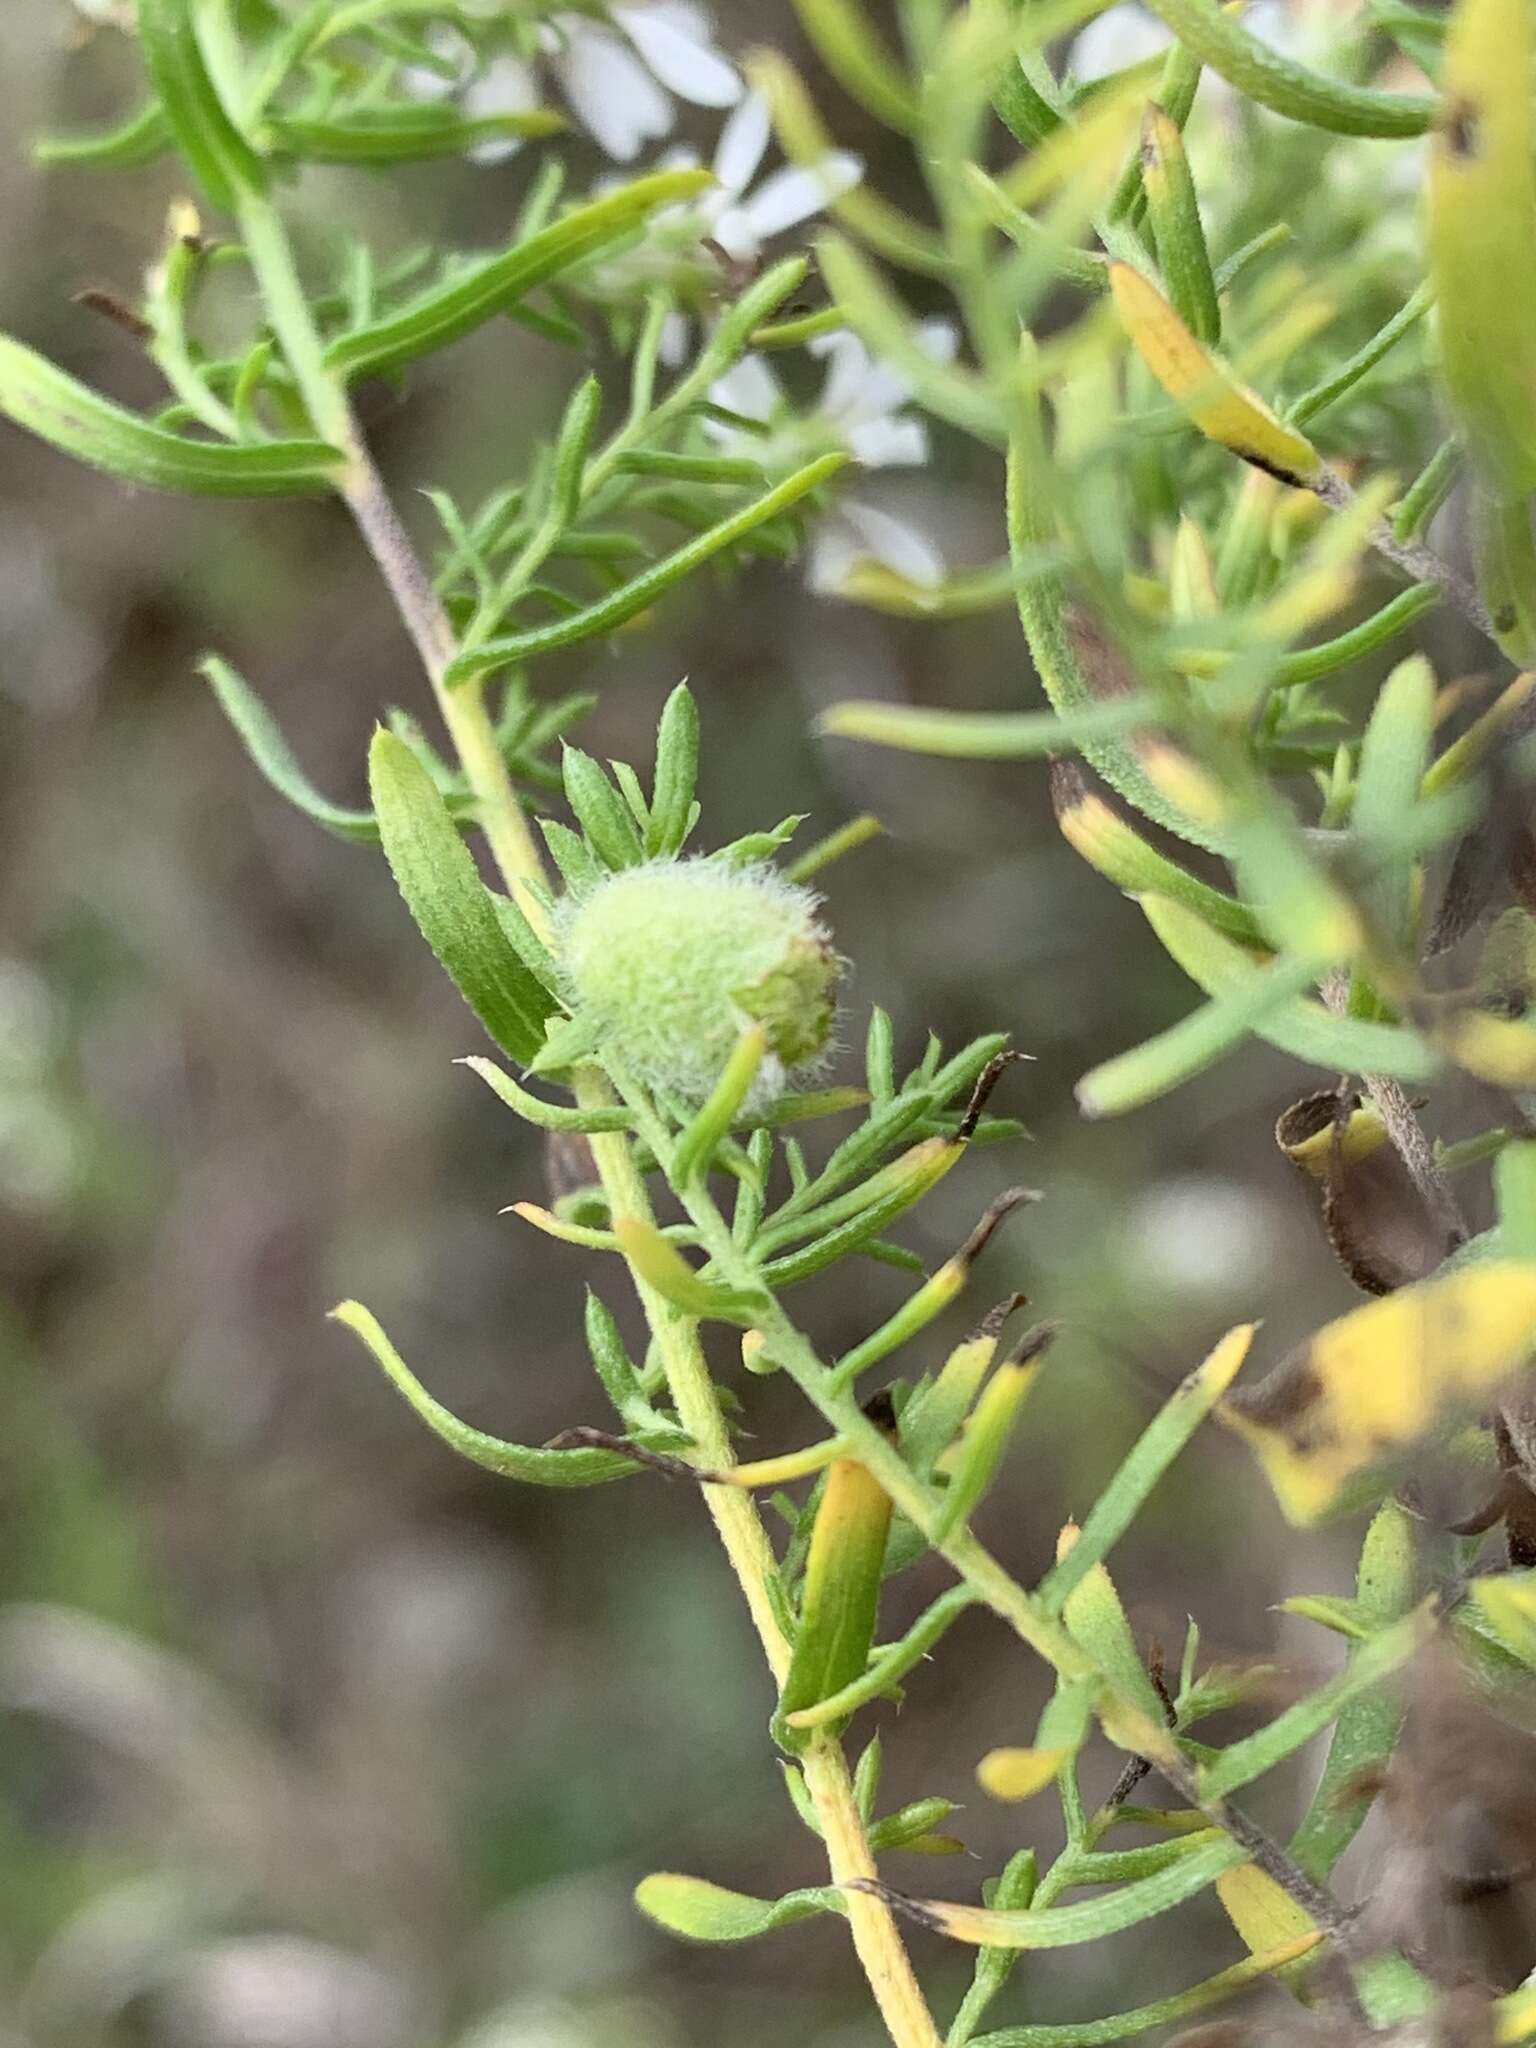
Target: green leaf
column 402, row 134
column 841, row 1594
column 1205, row 1856
column 845, row 40
column 602, row 814
column 221, row 158
column 988, row 1432
column 701, row 1911
column 981, row 735
column 580, row 1467
column 47, row 401
column 1010, row 1891
column 137, row 140
column 1208, row 32
column 1196, row 1042
column 1108, row 842
column 1144, row 1464
column 677, row 769
column 470, row 297
column 1241, row 1762
column 1482, row 205
column 1301, row 1027
column 1076, row 666
column 547, row 1116
column 1367, row 1728
column 1352, row 372
column 664, row 1268
column 451, row 905
column 1393, row 756
column 1141, row 2019
column 642, row 591
column 267, row 747
column 526, row 943
column 1174, row 214
column 892, row 1664
column 1514, row 1180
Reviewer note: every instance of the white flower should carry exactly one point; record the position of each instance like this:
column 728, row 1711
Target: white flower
column 1125, row 35
column 860, row 409
column 1118, row 38
column 620, row 73
column 733, row 214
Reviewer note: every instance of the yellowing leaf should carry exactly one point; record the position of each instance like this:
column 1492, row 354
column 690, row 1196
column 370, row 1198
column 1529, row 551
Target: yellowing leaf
column 1508, row 1599
column 1019, row 1773
column 1497, row 1049
column 1219, row 404
column 1367, row 1387
column 1266, row 1918
column 1482, row 211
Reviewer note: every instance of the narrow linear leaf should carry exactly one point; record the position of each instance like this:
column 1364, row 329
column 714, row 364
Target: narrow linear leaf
column 701, row 1911
column 405, row 134
column 1181, row 2005
column 1206, row 1856
column 139, row 139
column 1241, row 1762
column 1174, row 214
column 264, row 742
column 1482, row 205
column 1217, row 402
column 642, row 591
column 1144, row 1465
column 1219, row 39
column 47, row 401
column 1196, row 1042
column 981, row 735
column 1368, row 1726
column 221, row 157
column 580, row 1467
column 470, row 297
column 443, row 891
column 1301, row 1027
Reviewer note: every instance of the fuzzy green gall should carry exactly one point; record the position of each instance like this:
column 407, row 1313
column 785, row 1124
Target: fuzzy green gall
column 670, row 961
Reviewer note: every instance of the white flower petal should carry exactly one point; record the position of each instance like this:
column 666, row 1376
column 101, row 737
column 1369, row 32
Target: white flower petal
column 676, row 332
column 891, row 541
column 834, row 549
column 1121, row 36
column 848, row 371
column 1273, row 24
column 506, row 86
column 888, row 443
column 788, row 196
column 689, row 20
column 612, row 94
column 938, row 338
column 743, row 141
column 685, row 65
column 748, row 387
column 732, row 230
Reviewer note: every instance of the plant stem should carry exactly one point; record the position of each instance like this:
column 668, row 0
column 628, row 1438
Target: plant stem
column 980, row 1570
column 876, row 1939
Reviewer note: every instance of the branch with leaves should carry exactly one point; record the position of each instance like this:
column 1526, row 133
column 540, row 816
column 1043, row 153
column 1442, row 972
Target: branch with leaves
column 1174, row 540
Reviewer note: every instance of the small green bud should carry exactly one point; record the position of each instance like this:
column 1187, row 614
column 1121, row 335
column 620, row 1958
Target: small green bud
column 669, row 962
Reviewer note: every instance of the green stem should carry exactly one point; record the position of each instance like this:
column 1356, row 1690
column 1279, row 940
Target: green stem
column 981, row 1571
column 876, row 1939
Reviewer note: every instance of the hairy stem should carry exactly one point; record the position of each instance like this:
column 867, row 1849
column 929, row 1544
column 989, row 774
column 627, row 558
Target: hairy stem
column 980, row 1570
column 876, row 1939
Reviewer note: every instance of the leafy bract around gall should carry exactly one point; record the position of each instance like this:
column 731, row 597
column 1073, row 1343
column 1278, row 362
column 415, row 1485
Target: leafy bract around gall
column 671, row 961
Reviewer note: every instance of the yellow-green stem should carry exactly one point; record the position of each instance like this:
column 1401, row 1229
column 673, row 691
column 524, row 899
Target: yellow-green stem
column 877, row 1942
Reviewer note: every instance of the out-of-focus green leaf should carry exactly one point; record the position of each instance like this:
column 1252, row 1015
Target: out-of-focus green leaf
column 48, row 402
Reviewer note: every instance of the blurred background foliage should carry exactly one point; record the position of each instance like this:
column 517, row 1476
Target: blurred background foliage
column 312, row 1735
